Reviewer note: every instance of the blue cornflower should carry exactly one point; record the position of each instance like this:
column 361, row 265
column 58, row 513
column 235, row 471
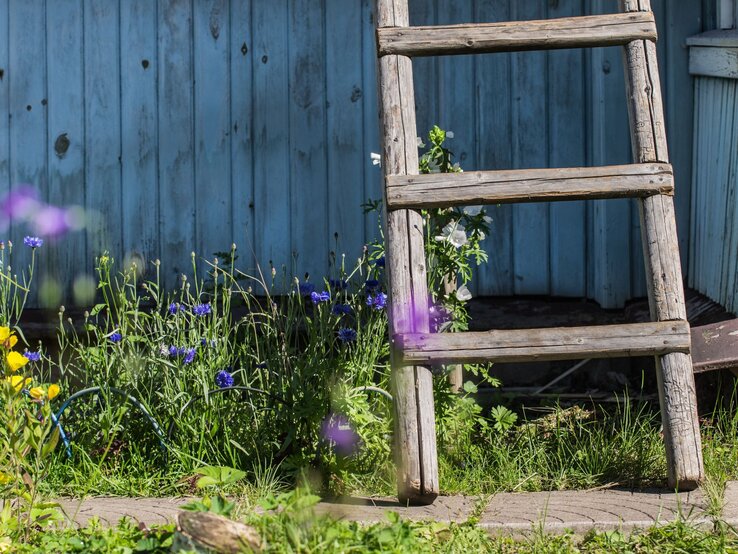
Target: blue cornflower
column 338, row 284
column 223, row 379
column 115, row 337
column 189, row 355
column 32, row 356
column 202, row 309
column 346, row 334
column 378, row 302
column 371, row 285
column 306, row 289
column 175, row 308
column 318, row 297
column 206, row 342
column 174, row 351
column 379, row 262
column 33, row 242
column 341, row 309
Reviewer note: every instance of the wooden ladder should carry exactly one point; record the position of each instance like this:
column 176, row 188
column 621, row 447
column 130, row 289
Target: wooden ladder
column 650, row 179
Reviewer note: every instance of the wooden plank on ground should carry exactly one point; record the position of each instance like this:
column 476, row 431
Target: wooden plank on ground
column 558, row 343
column 715, row 346
column 528, row 185
column 515, row 36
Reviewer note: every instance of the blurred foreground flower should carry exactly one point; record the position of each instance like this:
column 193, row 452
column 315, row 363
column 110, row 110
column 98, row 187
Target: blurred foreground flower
column 22, row 204
column 337, row 430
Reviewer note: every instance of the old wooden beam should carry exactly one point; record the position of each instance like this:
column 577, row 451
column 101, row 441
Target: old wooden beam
column 415, row 432
column 558, row 343
column 547, row 34
column 664, row 273
column 528, row 185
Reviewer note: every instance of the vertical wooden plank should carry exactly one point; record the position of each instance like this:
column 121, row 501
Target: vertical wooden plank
column 664, row 274
column 307, row 122
column 102, row 128
column 493, row 134
column 242, row 161
column 344, row 118
column 176, row 162
column 729, row 266
column 609, row 246
column 212, row 101
column 4, row 100
column 27, row 96
column 457, row 101
column 530, row 147
column 271, row 135
column 66, row 131
column 139, row 145
column 370, row 140
column 567, row 148
column 415, row 434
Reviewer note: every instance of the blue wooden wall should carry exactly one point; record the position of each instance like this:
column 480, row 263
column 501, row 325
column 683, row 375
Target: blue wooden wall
column 714, row 232
column 193, row 124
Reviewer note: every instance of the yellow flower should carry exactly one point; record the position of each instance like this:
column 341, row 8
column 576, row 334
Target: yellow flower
column 18, row 381
column 53, row 391
column 5, row 478
column 16, row 361
column 5, row 332
column 37, row 393
column 10, row 342
column 7, row 337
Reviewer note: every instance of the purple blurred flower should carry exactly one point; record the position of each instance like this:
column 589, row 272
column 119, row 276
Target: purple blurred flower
column 223, row 379
column 337, row 430
column 20, row 202
column 174, row 351
column 345, row 334
column 52, row 221
column 342, row 309
column 318, row 297
column 33, row 242
column 378, row 302
column 189, row 355
column 202, row 309
column 32, row 356
column 379, row 262
column 175, row 308
column 115, row 337
column 306, row 289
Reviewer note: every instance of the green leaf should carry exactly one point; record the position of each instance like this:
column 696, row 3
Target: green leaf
column 218, row 475
column 470, row 387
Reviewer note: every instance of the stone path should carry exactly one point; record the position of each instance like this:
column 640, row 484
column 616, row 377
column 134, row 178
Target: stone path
column 513, row 513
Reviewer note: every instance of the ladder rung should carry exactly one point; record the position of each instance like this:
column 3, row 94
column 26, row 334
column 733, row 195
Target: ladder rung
column 546, row 34
column 562, row 343
column 528, row 185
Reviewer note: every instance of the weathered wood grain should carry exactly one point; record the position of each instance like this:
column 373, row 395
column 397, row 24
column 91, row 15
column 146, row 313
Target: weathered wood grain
column 713, row 62
column 559, row 343
column 663, row 268
column 208, row 532
column 715, row 346
column 528, row 185
column 415, row 434
column 544, row 34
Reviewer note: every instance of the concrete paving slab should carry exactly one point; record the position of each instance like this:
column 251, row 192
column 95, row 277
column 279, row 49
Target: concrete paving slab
column 581, row 511
column 504, row 513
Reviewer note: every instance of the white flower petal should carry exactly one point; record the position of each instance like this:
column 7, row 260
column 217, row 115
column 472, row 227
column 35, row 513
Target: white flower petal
column 472, row 210
column 449, row 134
column 463, row 293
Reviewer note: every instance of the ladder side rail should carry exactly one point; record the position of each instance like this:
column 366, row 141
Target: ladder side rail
column 415, row 434
column 661, row 251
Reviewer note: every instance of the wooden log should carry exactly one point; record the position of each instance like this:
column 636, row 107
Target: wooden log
column 558, row 343
column 207, row 532
column 528, row 185
column 514, row 36
column 664, row 274
column 415, row 434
